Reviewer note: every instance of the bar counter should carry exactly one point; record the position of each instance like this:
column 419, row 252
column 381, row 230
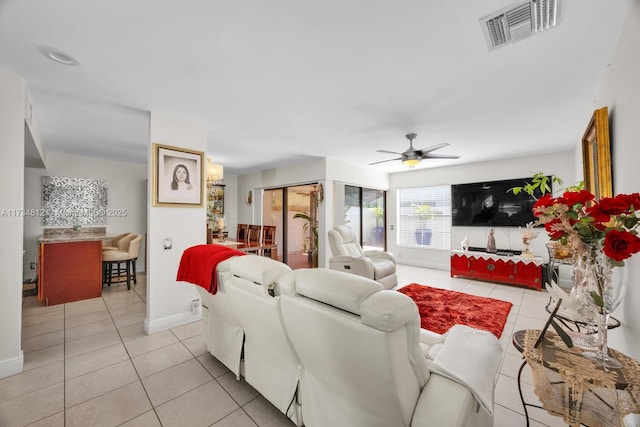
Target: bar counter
column 70, row 264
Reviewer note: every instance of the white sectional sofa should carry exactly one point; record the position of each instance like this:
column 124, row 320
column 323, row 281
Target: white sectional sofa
column 329, row 348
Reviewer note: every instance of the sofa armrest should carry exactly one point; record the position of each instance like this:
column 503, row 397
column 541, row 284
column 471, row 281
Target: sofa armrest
column 444, row 402
column 430, row 343
column 354, row 265
column 380, row 255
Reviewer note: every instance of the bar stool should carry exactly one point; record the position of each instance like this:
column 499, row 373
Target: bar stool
column 112, row 261
column 112, row 244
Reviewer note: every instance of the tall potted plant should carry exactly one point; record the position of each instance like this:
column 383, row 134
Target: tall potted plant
column 378, row 231
column 310, row 225
column 424, row 214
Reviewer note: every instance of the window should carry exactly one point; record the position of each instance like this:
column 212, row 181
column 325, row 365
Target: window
column 424, row 217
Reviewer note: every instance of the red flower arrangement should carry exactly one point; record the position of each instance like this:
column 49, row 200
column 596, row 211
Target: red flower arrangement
column 611, row 222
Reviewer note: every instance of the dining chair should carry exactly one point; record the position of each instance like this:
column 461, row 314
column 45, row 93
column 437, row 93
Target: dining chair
column 241, row 234
column 254, row 235
column 268, row 238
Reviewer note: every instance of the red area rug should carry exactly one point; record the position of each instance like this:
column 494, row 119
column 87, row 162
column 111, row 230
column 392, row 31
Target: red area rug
column 440, row 309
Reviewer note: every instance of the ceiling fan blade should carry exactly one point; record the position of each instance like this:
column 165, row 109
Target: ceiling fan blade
column 438, row 156
column 387, row 151
column 432, row 148
column 384, row 161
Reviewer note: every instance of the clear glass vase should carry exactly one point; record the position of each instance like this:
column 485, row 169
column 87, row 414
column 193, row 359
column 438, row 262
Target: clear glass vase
column 606, row 286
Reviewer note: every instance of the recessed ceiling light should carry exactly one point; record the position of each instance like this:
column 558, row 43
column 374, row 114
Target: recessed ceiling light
column 58, row 56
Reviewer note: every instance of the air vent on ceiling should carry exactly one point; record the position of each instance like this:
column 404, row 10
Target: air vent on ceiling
column 519, row 21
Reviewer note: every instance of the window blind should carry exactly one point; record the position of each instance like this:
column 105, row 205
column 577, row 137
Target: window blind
column 424, row 217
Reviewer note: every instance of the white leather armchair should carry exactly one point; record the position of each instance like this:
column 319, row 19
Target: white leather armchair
column 348, row 256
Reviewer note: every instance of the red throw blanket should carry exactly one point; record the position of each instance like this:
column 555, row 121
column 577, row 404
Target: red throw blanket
column 198, row 265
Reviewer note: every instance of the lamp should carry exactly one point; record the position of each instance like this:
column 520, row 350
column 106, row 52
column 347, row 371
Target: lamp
column 410, row 161
column 220, row 229
column 215, row 172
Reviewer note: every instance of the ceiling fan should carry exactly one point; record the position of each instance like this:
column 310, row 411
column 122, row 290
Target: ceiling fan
column 412, row 157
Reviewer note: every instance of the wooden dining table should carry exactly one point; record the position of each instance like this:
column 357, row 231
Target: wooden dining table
column 250, row 247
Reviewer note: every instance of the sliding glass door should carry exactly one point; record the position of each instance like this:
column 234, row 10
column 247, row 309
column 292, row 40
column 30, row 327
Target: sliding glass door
column 293, row 210
column 365, row 212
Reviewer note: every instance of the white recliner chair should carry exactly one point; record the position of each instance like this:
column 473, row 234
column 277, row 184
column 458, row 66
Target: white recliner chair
column 348, row 256
column 221, row 329
column 268, row 361
column 362, row 362
column 241, row 327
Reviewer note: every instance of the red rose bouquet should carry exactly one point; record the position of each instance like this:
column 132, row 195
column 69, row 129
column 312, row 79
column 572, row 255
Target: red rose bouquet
column 611, row 222
column 587, row 227
column 601, row 234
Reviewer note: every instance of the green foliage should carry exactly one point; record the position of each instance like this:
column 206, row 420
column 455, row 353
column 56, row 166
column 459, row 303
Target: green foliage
column 311, row 224
column 424, row 213
column 597, row 299
column 540, row 181
column 379, row 213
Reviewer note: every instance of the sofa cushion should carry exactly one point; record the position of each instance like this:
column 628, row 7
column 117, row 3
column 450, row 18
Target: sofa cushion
column 341, row 290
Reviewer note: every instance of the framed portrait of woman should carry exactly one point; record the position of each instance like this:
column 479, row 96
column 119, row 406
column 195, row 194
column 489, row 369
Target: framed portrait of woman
column 177, row 176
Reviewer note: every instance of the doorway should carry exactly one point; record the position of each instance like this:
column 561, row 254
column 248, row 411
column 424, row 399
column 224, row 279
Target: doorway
column 294, row 212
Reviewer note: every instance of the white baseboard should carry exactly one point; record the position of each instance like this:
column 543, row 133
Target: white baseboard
column 169, row 322
column 12, row 366
column 425, row 264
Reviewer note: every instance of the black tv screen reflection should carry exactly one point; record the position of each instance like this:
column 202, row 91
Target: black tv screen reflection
column 492, row 204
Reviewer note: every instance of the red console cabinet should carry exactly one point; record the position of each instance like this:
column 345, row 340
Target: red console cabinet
column 460, row 265
column 512, row 270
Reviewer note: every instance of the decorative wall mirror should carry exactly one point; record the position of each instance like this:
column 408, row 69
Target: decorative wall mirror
column 596, row 155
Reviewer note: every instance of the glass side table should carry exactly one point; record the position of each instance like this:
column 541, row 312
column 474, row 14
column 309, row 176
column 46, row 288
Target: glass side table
column 572, row 387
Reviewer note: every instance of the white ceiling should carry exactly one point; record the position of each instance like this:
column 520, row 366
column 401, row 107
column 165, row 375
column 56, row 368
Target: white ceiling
column 276, row 81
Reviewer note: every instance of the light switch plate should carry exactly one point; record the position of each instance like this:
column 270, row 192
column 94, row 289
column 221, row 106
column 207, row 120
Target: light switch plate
column 167, row 243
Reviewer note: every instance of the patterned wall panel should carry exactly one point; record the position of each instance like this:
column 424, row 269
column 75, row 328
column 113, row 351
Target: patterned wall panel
column 74, row 201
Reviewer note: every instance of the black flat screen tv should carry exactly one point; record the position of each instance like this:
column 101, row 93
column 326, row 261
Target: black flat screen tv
column 491, row 204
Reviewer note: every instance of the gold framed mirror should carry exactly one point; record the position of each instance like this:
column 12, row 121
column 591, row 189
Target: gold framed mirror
column 596, row 155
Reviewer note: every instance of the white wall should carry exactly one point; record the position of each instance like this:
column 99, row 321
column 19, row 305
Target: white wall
column 12, row 136
column 620, row 91
column 127, row 184
column 168, row 301
column 560, row 164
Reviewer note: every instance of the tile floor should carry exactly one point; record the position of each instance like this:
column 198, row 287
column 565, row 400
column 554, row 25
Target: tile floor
column 90, row 363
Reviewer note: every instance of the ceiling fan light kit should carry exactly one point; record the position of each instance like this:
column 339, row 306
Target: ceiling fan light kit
column 412, row 157
column 411, row 162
